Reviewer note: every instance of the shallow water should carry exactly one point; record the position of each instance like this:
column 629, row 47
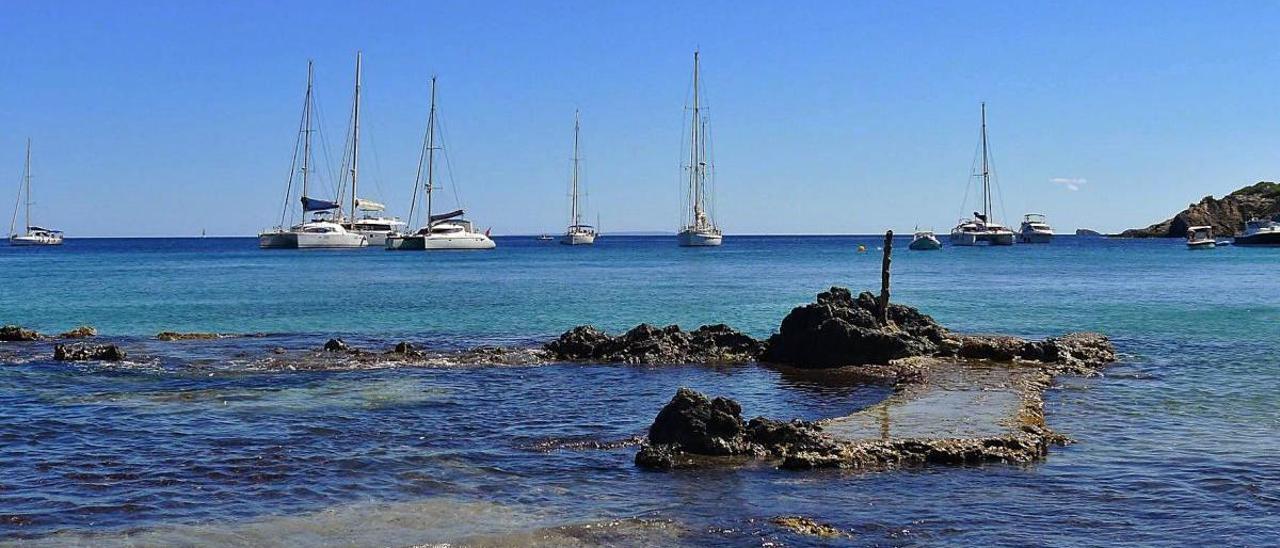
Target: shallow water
column 190, row 443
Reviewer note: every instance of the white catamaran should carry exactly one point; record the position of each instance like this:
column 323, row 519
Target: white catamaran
column 701, row 231
column 324, row 229
column 445, row 230
column 982, row 228
column 577, row 233
column 33, row 235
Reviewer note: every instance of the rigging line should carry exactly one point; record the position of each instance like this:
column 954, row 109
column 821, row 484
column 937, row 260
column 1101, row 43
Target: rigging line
column 17, row 203
column 417, row 178
column 973, row 168
column 325, row 147
column 293, row 166
column 448, row 163
column 995, row 181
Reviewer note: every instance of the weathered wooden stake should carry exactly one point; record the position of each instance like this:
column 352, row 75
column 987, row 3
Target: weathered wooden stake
column 882, row 307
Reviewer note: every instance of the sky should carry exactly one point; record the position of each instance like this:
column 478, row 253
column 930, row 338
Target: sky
column 168, row 118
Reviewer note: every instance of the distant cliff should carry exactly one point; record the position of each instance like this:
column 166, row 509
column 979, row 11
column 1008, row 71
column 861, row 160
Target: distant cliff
column 1226, row 215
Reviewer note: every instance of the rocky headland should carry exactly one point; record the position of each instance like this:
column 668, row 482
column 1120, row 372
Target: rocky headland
column 1226, row 215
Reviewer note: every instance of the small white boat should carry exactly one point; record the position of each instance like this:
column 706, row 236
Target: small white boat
column 1035, row 229
column 546, row 238
column 446, row 230
column 577, row 233
column 924, row 240
column 981, row 229
column 701, row 230
column 33, row 235
column 1200, row 237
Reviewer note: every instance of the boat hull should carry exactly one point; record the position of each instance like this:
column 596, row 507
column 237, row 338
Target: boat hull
column 278, row 240
column 376, row 238
column 1202, row 245
column 981, row 238
column 1035, row 237
column 31, row 241
column 331, row 240
column 699, row 238
column 1268, row 239
column 578, row 238
column 924, row 244
column 440, row 243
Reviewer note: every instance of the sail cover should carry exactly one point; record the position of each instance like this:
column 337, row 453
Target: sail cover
column 443, row 216
column 312, row 204
column 369, row 205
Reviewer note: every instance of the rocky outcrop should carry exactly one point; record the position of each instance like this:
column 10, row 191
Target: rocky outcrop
column 647, row 344
column 1226, row 215
column 82, row 332
column 85, row 352
column 1078, row 353
column 336, row 345
column 839, row 330
column 1088, row 233
column 808, row 526
column 14, row 333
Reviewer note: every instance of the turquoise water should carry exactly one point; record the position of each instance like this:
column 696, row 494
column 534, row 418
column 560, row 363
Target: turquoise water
column 1176, row 443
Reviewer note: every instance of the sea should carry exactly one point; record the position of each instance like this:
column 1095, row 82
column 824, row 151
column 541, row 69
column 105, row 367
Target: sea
column 191, row 443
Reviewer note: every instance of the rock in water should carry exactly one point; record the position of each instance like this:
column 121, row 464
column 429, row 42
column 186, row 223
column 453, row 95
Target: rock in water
column 701, row 425
column 336, row 345
column 82, row 332
column 175, row 336
column 807, row 526
column 14, row 333
column 650, row 344
column 1226, row 215
column 84, row 352
column 839, row 330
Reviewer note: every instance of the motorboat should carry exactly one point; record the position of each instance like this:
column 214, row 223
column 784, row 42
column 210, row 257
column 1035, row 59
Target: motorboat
column 1035, row 229
column 1260, row 232
column 701, row 230
column 981, row 229
column 32, row 235
column 924, row 240
column 375, row 228
column 1200, row 237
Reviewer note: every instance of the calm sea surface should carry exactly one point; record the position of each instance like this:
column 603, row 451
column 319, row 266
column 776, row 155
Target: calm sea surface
column 187, row 443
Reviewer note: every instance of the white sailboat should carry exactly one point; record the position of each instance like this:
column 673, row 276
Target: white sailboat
column 445, row 230
column 323, row 230
column 982, row 228
column 701, row 230
column 32, row 235
column 577, row 233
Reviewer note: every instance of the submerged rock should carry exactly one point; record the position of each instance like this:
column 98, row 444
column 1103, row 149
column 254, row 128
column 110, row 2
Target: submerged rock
column 336, row 345
column 807, row 526
column 839, row 330
column 1074, row 352
column 14, row 333
column 176, row 336
column 82, row 332
column 84, row 352
column 406, row 349
column 657, row 345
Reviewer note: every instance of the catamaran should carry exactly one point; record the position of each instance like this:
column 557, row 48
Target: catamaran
column 445, row 230
column 981, row 228
column 577, row 233
column 375, row 227
column 701, row 231
column 33, row 235
column 324, row 229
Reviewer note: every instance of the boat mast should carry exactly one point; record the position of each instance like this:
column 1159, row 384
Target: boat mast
column 986, row 172
column 575, row 216
column 306, row 135
column 695, row 160
column 355, row 142
column 431, row 153
column 26, row 174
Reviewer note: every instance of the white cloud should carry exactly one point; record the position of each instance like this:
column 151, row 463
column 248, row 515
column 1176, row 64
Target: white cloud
column 1071, row 183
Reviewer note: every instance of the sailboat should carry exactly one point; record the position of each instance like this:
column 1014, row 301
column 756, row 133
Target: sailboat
column 444, row 230
column 982, row 228
column 32, row 235
column 701, row 231
column 323, row 230
column 577, row 233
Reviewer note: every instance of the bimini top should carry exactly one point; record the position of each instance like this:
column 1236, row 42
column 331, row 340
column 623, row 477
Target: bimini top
column 40, row 229
column 312, row 204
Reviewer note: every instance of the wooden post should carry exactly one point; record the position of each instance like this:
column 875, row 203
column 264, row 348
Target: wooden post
column 882, row 308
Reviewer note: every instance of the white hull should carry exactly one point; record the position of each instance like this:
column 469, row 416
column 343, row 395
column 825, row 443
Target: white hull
column 578, row 238
column 981, row 238
column 439, row 243
column 278, row 240
column 925, row 244
column 331, row 240
column 1036, row 237
column 699, row 238
column 34, row 240
column 1202, row 244
column 376, row 238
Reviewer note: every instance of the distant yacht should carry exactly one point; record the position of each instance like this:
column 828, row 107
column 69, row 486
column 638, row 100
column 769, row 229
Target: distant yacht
column 32, row 235
column 445, row 230
column 1200, row 237
column 324, row 229
column 701, row 231
column 1260, row 232
column 982, row 228
column 1035, row 229
column 577, row 233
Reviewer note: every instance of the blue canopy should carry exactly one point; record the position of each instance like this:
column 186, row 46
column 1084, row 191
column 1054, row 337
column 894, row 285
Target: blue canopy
column 312, row 204
column 443, row 216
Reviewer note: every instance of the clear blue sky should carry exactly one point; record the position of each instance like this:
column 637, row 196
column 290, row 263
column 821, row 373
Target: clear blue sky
column 162, row 118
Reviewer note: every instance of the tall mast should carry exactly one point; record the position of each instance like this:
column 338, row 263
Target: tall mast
column 431, row 152
column 575, row 216
column 986, row 171
column 695, row 160
column 26, row 169
column 355, row 142
column 306, row 134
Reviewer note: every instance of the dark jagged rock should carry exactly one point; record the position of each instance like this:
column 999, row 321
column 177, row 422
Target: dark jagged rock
column 405, row 348
column 701, row 425
column 14, row 333
column 1226, row 215
column 84, row 352
column 808, row 526
column 82, row 332
column 657, row 345
column 839, row 330
column 1074, row 352
column 336, row 345
column 176, row 336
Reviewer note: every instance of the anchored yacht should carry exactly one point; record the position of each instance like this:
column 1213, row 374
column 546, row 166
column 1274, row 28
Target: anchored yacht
column 1200, row 237
column 981, row 228
column 33, row 235
column 1035, row 229
column 375, row 228
column 924, row 240
column 701, row 230
column 1260, row 232
column 577, row 233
